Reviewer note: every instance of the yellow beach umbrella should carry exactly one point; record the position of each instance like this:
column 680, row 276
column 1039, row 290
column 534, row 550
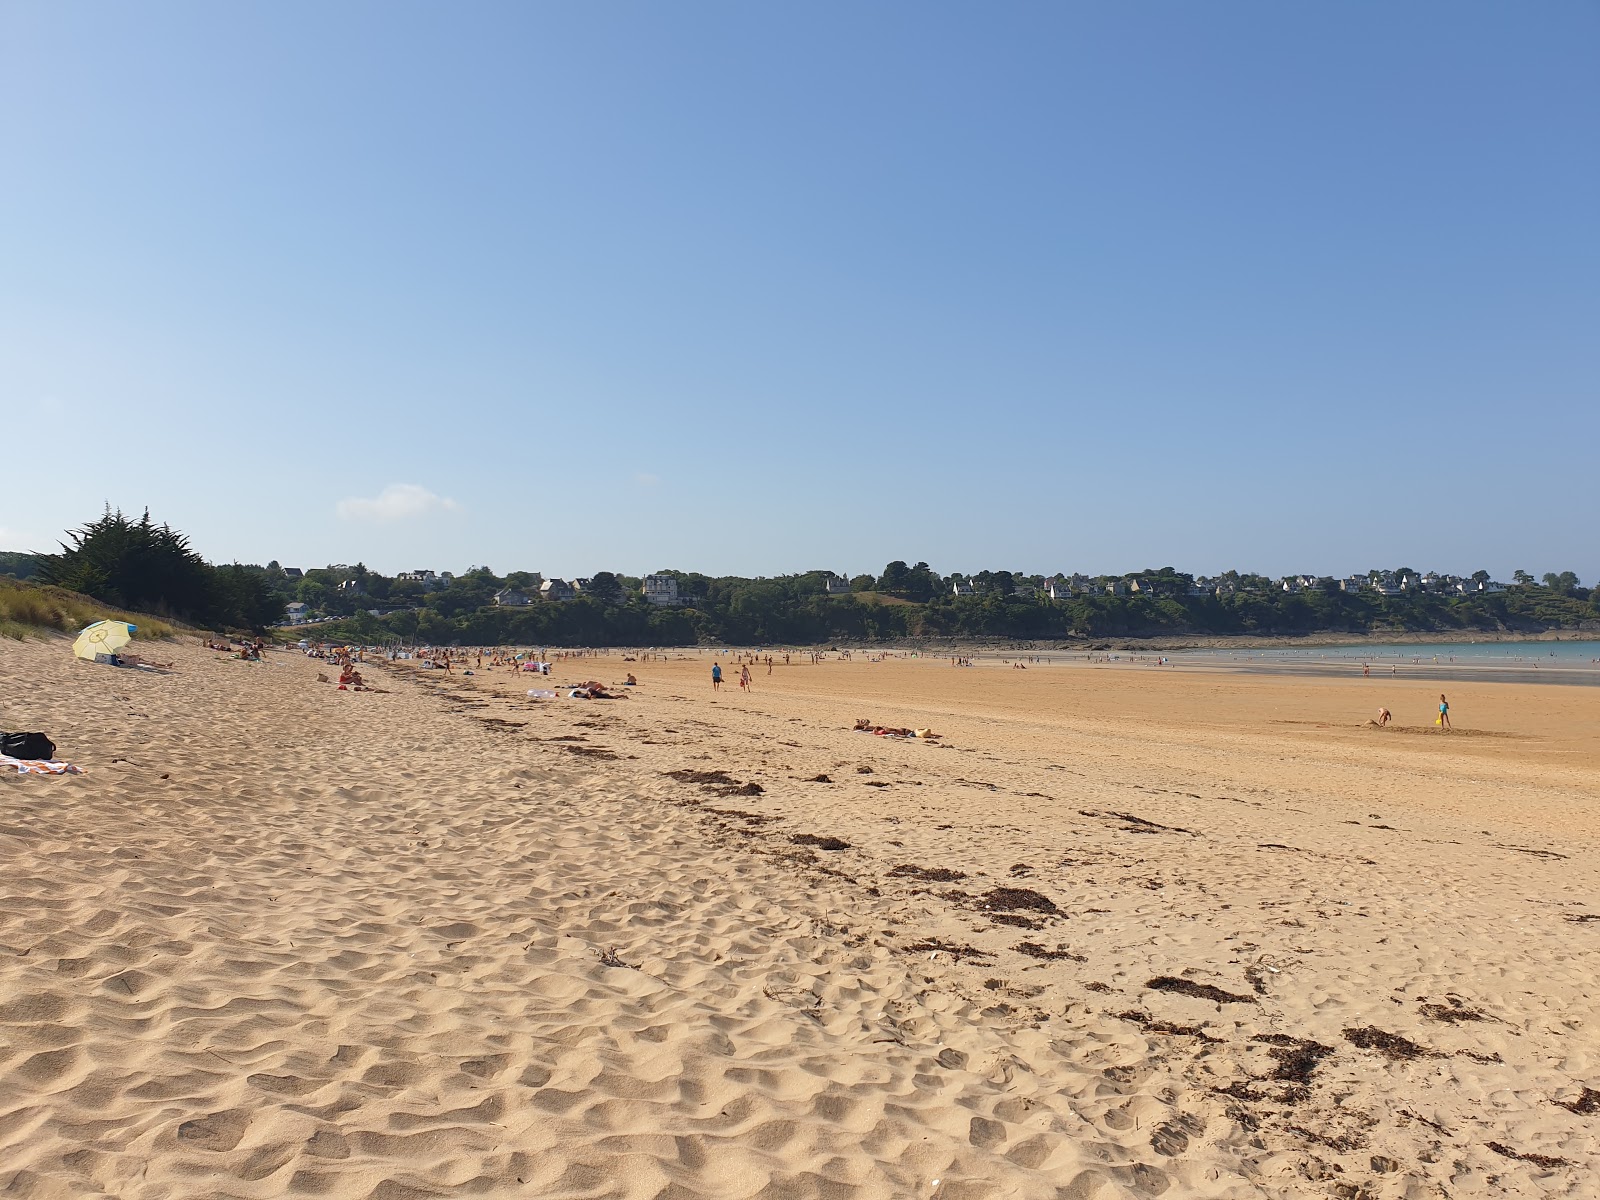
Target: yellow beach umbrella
column 103, row 637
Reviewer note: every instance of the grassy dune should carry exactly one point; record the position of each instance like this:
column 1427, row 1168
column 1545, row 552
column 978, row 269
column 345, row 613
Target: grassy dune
column 28, row 608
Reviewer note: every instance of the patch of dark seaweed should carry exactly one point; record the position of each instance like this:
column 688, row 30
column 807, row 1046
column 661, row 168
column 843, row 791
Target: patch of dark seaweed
column 1344, row 1143
column 753, row 818
column 1016, row 921
column 1584, row 1105
column 590, row 751
column 927, row 874
column 1035, row 950
column 1422, row 1120
column 1297, row 1058
column 1133, row 824
column 1240, row 1089
column 719, row 783
column 1390, row 1045
column 955, row 951
column 1452, row 1012
column 1539, row 1160
column 1012, row 899
column 706, row 777
column 1583, row 918
column 1200, row 991
column 1148, row 1023
column 821, row 843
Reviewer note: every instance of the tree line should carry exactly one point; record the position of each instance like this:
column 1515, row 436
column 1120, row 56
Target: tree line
column 139, row 565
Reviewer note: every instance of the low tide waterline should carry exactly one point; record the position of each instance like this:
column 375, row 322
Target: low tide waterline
column 1564, row 653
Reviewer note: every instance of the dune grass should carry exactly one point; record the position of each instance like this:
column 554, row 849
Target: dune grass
column 31, row 609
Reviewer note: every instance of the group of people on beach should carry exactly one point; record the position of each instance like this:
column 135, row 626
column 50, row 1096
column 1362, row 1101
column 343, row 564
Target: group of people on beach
column 744, row 677
column 1442, row 720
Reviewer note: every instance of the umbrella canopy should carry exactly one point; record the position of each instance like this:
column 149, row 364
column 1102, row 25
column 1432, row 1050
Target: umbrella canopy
column 103, row 637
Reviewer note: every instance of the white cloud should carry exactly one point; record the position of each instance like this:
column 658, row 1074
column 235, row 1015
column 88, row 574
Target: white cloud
column 396, row 502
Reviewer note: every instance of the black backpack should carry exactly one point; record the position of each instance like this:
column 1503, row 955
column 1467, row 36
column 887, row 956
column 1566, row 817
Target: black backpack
column 32, row 746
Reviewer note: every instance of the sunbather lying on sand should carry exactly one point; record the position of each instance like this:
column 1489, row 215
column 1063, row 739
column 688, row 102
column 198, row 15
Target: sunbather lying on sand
column 864, row 725
column 135, row 660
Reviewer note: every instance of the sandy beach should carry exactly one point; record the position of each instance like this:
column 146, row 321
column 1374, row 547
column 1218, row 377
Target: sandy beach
column 1127, row 932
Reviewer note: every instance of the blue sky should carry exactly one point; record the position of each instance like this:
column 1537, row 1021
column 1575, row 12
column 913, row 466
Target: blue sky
column 758, row 288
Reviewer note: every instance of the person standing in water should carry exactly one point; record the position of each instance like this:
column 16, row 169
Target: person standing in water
column 716, row 677
column 1444, row 712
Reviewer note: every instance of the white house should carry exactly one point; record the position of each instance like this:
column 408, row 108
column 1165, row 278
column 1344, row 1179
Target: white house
column 1058, row 589
column 425, row 578
column 295, row 613
column 351, row 587
column 511, row 598
column 836, row 585
column 556, row 589
column 661, row 589
column 293, row 573
column 960, row 588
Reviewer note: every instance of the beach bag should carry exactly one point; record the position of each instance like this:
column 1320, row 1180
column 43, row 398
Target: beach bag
column 34, row 747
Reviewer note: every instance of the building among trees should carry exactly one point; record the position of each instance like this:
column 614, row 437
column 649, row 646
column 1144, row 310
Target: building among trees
column 661, row 590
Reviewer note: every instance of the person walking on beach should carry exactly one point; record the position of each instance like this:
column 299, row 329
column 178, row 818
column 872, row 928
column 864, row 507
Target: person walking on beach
column 716, row 677
column 1444, row 713
column 744, row 677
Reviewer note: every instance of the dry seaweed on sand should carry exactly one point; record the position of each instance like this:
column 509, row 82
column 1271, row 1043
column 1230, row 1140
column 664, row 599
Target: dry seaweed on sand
column 703, row 777
column 1200, row 991
column 1390, row 1045
column 719, row 783
column 1538, row 1160
column 1012, row 899
column 1035, row 950
column 954, row 950
column 1133, row 824
column 1453, row 1012
column 1017, row 921
column 927, row 874
column 819, row 842
column 1584, row 1105
column 1148, row 1023
column 1297, row 1058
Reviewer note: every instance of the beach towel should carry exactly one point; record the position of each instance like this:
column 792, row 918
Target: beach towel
column 38, row 766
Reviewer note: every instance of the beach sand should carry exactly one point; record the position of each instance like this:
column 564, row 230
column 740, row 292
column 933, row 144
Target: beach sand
column 1130, row 932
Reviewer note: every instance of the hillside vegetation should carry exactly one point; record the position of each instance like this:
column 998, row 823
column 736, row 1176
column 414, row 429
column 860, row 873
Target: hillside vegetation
column 124, row 564
column 30, row 608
